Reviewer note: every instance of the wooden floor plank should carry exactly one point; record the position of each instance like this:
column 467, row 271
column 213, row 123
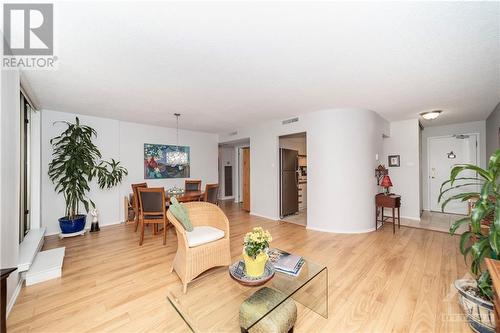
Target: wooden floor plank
column 378, row 281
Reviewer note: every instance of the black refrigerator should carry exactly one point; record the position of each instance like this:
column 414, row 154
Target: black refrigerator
column 289, row 191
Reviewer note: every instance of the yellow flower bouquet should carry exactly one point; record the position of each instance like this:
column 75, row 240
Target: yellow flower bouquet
column 255, row 247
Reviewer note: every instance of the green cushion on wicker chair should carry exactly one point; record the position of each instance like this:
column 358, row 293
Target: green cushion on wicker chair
column 180, row 212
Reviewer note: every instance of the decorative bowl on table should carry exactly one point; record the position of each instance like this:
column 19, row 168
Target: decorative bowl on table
column 237, row 272
column 175, row 190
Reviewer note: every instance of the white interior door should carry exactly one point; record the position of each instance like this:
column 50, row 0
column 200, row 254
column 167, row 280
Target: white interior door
column 444, row 154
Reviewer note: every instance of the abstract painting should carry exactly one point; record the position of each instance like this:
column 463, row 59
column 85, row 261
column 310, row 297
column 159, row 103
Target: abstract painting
column 165, row 161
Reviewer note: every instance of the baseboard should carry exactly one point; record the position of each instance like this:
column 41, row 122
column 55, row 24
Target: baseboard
column 295, row 223
column 341, row 231
column 264, row 216
column 13, row 299
column 388, row 213
column 100, row 225
column 411, row 218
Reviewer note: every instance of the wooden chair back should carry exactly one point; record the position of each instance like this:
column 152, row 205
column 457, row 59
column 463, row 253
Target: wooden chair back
column 192, row 185
column 135, row 197
column 152, row 202
column 135, row 202
column 153, row 210
column 212, row 193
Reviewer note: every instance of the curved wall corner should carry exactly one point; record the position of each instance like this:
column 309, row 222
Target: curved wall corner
column 341, row 148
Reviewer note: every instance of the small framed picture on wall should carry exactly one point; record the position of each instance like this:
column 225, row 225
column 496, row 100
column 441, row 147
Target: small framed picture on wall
column 393, row 160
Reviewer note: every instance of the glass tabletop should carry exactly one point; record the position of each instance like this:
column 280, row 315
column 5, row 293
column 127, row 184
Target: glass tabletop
column 212, row 302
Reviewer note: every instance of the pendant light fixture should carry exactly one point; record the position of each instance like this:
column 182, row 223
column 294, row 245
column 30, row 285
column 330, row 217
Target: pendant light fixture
column 176, row 157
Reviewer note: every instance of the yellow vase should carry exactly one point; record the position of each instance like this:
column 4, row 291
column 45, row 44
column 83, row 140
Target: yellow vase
column 255, row 267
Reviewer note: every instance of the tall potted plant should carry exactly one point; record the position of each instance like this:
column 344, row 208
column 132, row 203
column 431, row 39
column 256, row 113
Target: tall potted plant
column 481, row 241
column 76, row 161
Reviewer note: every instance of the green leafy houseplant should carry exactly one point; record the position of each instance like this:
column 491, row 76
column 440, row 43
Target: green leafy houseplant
column 76, row 161
column 475, row 243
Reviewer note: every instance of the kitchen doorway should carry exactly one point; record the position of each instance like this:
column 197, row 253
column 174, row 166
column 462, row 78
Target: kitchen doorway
column 234, row 172
column 443, row 154
column 292, row 155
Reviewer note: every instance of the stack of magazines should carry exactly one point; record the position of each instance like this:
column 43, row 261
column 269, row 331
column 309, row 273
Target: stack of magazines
column 285, row 262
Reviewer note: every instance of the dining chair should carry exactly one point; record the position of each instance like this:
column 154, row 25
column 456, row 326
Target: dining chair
column 192, row 185
column 211, row 193
column 135, row 201
column 153, row 210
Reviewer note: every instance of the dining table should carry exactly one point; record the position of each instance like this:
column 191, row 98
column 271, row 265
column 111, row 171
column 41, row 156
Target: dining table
column 184, row 196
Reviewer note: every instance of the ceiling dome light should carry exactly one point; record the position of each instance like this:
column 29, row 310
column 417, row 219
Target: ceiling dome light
column 429, row 115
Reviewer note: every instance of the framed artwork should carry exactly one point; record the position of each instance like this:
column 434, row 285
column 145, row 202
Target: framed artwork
column 393, row 160
column 165, row 161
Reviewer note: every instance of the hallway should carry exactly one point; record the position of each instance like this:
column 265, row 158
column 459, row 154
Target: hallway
column 435, row 221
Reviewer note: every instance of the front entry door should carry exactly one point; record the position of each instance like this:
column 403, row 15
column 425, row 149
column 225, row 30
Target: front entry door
column 444, row 154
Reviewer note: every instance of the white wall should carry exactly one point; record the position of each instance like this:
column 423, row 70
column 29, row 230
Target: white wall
column 122, row 141
column 435, row 131
column 342, row 144
column 203, row 153
column 10, row 124
column 492, row 129
column 403, row 140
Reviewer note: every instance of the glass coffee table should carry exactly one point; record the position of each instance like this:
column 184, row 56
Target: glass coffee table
column 213, row 300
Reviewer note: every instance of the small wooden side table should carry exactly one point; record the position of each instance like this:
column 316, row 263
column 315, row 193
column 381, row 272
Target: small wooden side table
column 387, row 201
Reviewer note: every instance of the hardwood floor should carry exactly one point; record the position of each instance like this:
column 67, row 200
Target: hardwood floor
column 378, row 282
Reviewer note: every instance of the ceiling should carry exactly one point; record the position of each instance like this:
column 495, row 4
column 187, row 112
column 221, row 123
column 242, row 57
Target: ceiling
column 230, row 64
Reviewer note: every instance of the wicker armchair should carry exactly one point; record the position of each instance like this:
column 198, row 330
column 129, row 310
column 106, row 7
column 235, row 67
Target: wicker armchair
column 189, row 262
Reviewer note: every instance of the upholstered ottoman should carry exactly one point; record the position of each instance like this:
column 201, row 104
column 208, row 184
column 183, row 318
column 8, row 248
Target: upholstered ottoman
column 280, row 320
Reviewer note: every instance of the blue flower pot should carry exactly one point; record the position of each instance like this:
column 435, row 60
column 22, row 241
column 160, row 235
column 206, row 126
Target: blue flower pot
column 69, row 226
